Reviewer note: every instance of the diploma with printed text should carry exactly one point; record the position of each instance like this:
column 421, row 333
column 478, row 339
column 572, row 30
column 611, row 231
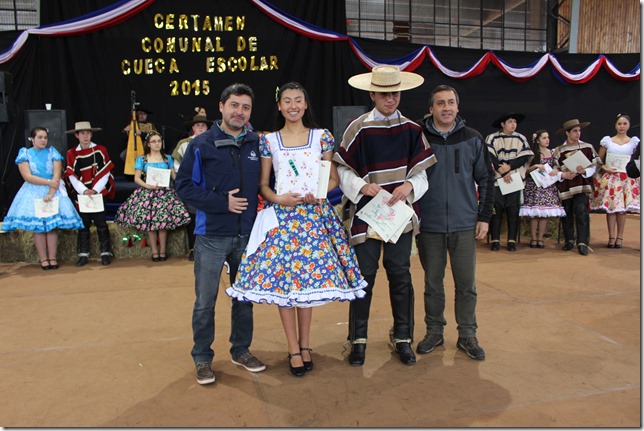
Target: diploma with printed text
column 617, row 161
column 543, row 179
column 159, row 177
column 388, row 221
column 44, row 209
column 91, row 203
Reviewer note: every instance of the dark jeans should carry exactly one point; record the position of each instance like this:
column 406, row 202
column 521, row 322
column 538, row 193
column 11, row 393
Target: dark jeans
column 396, row 260
column 82, row 239
column 577, row 215
column 210, row 254
column 509, row 204
column 432, row 250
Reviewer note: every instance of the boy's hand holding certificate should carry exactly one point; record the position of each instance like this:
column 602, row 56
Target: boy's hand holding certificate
column 388, row 221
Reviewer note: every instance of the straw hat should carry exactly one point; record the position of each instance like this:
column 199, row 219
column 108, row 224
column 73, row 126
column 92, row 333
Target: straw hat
column 571, row 124
column 198, row 119
column 497, row 123
column 79, row 126
column 385, row 79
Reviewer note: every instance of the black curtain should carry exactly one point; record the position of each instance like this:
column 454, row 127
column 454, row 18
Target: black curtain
column 83, row 75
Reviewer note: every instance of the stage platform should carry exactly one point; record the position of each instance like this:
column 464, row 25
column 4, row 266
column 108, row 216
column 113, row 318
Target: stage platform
column 110, row 347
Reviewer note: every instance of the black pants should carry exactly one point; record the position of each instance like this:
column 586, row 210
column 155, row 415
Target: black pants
column 396, row 260
column 577, row 216
column 509, row 204
column 82, row 243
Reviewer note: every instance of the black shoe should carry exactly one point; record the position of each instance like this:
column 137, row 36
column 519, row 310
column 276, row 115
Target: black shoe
column 568, row 246
column 82, row 261
column 429, row 343
column 191, row 256
column 540, row 244
column 308, row 365
column 45, row 267
column 583, row 250
column 470, row 345
column 512, row 246
column 620, row 242
column 405, row 353
column 495, row 246
column 53, row 265
column 534, row 243
column 105, row 259
column 163, row 257
column 356, row 357
column 296, row 371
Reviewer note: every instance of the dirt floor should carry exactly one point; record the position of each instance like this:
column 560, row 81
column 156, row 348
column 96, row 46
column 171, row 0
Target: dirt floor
column 110, row 347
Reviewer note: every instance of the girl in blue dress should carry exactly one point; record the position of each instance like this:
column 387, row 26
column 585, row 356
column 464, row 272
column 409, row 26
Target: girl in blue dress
column 298, row 255
column 41, row 167
column 152, row 208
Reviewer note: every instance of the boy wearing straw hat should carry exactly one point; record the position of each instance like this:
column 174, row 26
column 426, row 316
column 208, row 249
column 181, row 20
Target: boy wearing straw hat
column 575, row 187
column 383, row 150
column 88, row 172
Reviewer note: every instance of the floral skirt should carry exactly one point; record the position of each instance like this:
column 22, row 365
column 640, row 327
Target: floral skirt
column 616, row 193
column 304, row 262
column 540, row 202
column 147, row 210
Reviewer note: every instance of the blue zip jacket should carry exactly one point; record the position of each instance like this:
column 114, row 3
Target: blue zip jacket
column 215, row 163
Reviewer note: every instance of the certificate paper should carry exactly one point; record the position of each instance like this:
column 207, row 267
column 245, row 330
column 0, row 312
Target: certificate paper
column 387, row 221
column 515, row 185
column 617, row 161
column 576, row 159
column 302, row 175
column 543, row 179
column 323, row 179
column 91, row 203
column 45, row 209
column 159, row 177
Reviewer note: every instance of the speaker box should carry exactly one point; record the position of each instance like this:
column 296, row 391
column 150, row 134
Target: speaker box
column 55, row 121
column 6, row 98
column 342, row 116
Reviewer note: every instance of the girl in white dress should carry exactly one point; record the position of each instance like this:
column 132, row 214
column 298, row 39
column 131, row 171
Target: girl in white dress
column 616, row 193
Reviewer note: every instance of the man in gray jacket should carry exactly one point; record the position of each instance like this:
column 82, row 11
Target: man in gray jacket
column 453, row 218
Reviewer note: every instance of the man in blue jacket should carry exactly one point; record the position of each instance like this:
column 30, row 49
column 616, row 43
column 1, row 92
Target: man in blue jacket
column 219, row 176
column 452, row 219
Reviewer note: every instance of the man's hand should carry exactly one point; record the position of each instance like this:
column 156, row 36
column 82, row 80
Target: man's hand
column 236, row 205
column 481, row 229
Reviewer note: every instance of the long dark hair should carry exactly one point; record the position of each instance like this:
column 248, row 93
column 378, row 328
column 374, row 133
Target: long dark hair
column 146, row 145
column 308, row 119
column 535, row 147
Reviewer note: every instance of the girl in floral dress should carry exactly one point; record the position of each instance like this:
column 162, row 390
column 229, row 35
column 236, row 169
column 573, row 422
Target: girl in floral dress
column 41, row 168
column 616, row 193
column 540, row 203
column 298, row 255
column 152, row 208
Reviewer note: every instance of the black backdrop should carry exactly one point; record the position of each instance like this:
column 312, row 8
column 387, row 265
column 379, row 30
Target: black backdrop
column 83, row 75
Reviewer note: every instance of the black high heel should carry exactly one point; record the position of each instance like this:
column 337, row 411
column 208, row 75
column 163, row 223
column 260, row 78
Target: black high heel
column 45, row 268
column 620, row 242
column 308, row 365
column 296, row 371
column 609, row 245
column 53, row 266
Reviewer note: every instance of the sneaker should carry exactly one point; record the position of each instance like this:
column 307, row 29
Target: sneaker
column 204, row 373
column 470, row 345
column 430, row 342
column 250, row 362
